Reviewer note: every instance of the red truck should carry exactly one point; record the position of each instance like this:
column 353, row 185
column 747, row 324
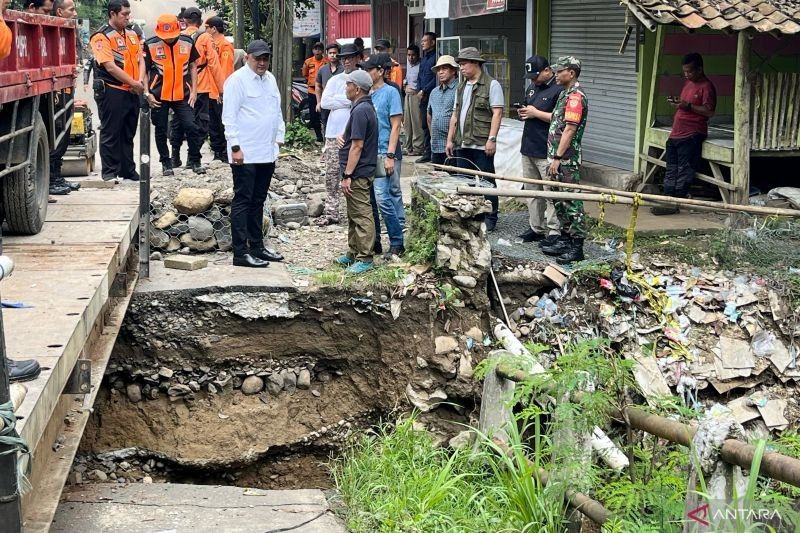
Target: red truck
column 35, row 82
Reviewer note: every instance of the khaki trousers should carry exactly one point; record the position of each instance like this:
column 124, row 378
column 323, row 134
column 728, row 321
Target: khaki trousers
column 360, row 224
column 412, row 124
column 542, row 214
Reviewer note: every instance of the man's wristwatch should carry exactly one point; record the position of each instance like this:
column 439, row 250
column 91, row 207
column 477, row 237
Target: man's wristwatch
column 346, row 176
column 235, row 148
column 390, row 155
column 557, row 157
column 493, row 138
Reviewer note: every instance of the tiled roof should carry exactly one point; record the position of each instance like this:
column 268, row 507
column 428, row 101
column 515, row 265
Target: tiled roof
column 781, row 16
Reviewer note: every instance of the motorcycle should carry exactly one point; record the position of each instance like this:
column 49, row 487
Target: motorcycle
column 300, row 108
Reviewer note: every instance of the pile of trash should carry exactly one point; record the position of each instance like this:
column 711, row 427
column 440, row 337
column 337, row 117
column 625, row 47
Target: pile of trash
column 698, row 333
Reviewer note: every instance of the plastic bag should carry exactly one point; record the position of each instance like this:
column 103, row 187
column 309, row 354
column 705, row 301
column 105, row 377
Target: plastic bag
column 763, row 343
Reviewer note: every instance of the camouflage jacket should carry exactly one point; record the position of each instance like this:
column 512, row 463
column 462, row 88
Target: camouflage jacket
column 572, row 107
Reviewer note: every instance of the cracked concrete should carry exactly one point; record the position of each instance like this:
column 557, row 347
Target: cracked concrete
column 252, row 305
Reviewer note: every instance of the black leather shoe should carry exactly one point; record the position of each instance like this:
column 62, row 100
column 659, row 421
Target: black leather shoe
column 219, row 156
column 59, row 189
column 74, row 185
column 561, row 247
column 24, row 370
column 662, row 210
column 176, row 159
column 166, row 169
column 574, row 253
column 135, row 177
column 248, row 260
column 266, row 254
column 395, row 250
column 424, row 159
column 491, row 224
column 377, row 248
column 531, row 236
column 61, row 182
column 196, row 167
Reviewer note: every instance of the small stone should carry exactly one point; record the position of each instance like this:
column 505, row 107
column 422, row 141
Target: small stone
column 475, row 334
column 156, row 256
column 212, row 389
column 315, row 393
column 165, row 372
column 185, row 262
column 200, row 229
column 275, row 383
column 224, row 197
column 530, row 312
column 466, row 281
column 173, row 245
column 315, row 203
column 252, row 385
column 304, row 379
column 289, row 382
column 99, row 475
column 288, row 189
column 134, row 392
column 166, row 220
column 462, row 440
column 198, row 246
column 445, row 344
column 195, row 386
column 75, row 478
column 147, row 479
column 179, row 389
column 292, row 225
column 421, row 363
column 158, row 238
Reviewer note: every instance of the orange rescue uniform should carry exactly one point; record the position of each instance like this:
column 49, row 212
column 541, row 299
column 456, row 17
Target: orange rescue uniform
column 226, row 54
column 396, row 74
column 5, row 39
column 209, row 79
column 310, row 68
column 168, row 67
column 123, row 48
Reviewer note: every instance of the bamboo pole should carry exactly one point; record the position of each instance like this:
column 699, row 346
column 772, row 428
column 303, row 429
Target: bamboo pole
column 610, row 198
column 773, row 465
column 657, row 198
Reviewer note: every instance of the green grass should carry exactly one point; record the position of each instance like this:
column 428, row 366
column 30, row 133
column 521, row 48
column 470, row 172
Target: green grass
column 423, row 232
column 380, row 277
column 398, row 480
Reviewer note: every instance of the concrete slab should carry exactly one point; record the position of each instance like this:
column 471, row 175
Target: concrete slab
column 142, row 508
column 185, row 262
column 275, row 278
column 646, row 222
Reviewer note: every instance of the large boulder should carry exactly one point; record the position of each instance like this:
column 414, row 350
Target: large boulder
column 192, row 201
column 315, row 203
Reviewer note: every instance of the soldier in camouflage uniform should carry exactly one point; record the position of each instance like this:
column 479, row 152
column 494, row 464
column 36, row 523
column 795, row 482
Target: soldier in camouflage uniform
column 564, row 154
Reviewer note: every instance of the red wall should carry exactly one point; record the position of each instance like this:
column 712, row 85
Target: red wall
column 346, row 21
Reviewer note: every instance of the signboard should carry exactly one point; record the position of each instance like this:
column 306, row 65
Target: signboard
column 309, row 24
column 472, row 8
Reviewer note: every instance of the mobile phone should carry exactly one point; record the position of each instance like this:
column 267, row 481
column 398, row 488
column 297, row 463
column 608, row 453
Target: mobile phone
column 517, row 105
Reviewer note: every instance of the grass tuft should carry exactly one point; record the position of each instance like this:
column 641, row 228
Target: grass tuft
column 423, row 232
column 380, row 277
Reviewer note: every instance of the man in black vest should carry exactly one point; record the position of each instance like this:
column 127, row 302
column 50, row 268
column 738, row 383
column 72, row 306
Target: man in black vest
column 477, row 113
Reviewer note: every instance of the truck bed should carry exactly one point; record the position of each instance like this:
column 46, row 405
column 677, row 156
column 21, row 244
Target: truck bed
column 42, row 56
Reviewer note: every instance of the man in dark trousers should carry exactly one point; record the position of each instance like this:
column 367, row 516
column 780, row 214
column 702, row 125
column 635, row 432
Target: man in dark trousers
column 326, row 72
column 254, row 129
column 119, row 63
column 171, row 77
column 693, row 108
column 427, row 83
column 540, row 100
column 358, row 156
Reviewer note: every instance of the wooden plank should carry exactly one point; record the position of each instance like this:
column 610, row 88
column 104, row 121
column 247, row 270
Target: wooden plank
column 754, row 108
column 777, row 111
column 741, row 122
column 89, row 213
column 718, row 182
column 50, row 472
column 651, row 52
column 714, row 149
column 762, row 140
column 723, row 191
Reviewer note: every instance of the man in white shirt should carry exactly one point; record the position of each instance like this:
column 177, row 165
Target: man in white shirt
column 254, row 130
column 412, row 117
column 334, row 100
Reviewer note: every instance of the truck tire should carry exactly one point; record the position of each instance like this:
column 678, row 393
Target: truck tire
column 25, row 191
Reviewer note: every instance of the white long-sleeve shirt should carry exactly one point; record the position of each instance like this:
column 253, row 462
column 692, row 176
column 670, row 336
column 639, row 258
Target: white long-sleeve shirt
column 334, row 99
column 252, row 115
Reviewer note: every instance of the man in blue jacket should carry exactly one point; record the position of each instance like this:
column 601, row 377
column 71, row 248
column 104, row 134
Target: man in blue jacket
column 427, row 83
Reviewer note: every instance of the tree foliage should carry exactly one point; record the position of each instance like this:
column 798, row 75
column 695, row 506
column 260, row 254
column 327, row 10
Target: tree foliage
column 94, row 10
column 224, row 8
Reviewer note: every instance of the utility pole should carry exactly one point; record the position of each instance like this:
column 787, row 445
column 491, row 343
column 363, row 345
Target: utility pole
column 282, row 34
column 238, row 29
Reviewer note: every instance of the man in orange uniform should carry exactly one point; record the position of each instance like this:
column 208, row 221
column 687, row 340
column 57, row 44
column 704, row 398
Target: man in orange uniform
column 210, row 81
column 120, row 65
column 215, row 27
column 396, row 72
column 310, row 69
column 171, row 76
column 5, row 33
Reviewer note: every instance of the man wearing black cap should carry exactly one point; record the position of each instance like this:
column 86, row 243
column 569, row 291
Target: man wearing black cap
column 395, row 72
column 215, row 27
column 310, row 68
column 540, row 100
column 255, row 130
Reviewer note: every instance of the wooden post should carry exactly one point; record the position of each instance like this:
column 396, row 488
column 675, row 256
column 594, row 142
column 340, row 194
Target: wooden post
column 282, row 33
column 741, row 121
column 238, row 27
column 650, row 56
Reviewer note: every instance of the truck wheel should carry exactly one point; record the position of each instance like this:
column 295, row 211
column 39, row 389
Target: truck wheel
column 25, row 191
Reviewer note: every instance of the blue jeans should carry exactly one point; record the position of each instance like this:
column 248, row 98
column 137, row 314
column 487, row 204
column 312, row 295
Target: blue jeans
column 389, row 201
column 471, row 158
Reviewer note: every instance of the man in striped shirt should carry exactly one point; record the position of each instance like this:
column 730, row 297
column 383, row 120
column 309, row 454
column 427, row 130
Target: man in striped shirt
column 440, row 106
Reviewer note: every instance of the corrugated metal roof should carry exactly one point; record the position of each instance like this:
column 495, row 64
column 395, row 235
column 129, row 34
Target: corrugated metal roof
column 781, row 16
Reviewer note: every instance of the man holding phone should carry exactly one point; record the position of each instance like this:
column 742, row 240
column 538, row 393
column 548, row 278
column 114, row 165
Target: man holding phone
column 693, row 108
column 540, row 100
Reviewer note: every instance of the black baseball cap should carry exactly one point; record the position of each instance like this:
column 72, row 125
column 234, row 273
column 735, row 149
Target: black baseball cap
column 534, row 65
column 192, row 13
column 318, row 45
column 333, row 46
column 258, row 48
column 381, row 44
column 216, row 22
column 375, row 61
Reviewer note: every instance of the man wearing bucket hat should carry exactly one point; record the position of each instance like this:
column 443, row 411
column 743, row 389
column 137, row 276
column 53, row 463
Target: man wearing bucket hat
column 478, row 110
column 254, row 129
column 540, row 100
column 334, row 100
column 358, row 157
column 564, row 154
column 171, row 78
column 440, row 106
